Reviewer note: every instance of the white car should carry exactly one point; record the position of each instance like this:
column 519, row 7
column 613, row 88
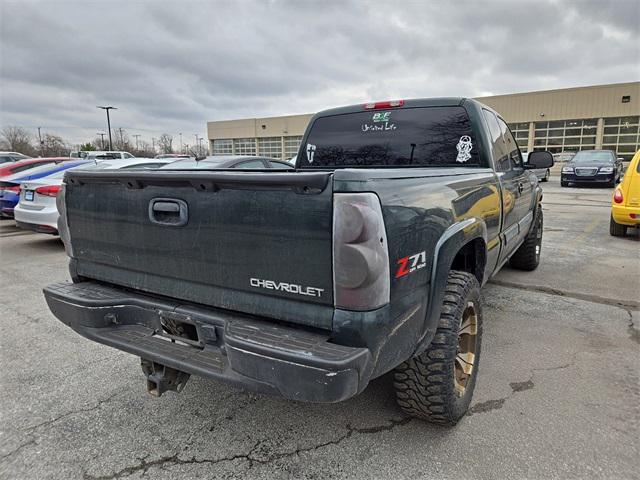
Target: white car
column 108, row 155
column 36, row 209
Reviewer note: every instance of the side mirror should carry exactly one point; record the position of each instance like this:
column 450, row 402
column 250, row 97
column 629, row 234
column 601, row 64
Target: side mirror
column 539, row 160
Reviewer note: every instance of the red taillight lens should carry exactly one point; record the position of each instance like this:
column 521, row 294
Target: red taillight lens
column 617, row 196
column 49, row 190
column 387, row 104
column 360, row 255
column 15, row 189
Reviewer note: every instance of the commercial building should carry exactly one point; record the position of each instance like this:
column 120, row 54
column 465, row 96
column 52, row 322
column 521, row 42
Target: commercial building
column 568, row 119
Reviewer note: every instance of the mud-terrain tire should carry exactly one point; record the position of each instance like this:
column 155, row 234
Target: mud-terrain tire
column 615, row 229
column 527, row 257
column 433, row 385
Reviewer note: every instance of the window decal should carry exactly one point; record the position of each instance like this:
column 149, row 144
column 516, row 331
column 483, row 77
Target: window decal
column 311, row 150
column 464, row 149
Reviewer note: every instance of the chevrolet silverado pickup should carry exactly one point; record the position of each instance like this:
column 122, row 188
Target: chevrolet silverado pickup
column 365, row 257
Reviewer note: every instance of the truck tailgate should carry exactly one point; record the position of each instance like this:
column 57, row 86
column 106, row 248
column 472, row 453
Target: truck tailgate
column 258, row 243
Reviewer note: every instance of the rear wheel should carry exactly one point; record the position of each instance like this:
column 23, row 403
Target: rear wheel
column 615, row 229
column 527, row 257
column 547, row 175
column 438, row 384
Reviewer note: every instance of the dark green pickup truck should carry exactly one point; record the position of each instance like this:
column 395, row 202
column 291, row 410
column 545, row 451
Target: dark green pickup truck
column 366, row 257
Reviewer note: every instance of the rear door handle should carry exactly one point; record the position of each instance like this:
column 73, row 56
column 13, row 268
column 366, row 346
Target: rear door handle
column 170, row 212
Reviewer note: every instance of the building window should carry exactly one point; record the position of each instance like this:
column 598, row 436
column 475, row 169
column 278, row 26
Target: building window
column 244, row 146
column 521, row 132
column 270, row 147
column 565, row 135
column 621, row 134
column 222, row 147
column 291, row 146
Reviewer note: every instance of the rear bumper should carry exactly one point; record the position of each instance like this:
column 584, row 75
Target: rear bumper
column 250, row 353
column 35, row 227
column 622, row 215
column 43, row 221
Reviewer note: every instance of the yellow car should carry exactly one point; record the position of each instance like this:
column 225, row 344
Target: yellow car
column 625, row 207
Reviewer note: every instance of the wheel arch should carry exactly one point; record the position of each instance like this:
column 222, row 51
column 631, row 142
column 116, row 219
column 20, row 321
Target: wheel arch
column 462, row 244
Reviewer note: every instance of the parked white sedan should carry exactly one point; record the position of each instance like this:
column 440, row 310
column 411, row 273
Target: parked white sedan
column 36, row 209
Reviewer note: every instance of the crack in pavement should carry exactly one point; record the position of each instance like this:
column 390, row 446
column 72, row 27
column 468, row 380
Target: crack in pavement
column 31, row 430
column 626, row 305
column 517, row 387
column 252, row 456
column 613, row 302
column 634, row 333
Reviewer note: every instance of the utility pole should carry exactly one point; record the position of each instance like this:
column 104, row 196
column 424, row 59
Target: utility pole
column 196, row 145
column 109, row 123
column 41, row 144
column 181, row 150
column 137, row 136
column 101, row 139
column 121, row 138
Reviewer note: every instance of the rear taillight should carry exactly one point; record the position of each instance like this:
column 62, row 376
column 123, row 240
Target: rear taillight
column 63, row 228
column 360, row 255
column 617, row 196
column 15, row 189
column 387, row 104
column 49, row 190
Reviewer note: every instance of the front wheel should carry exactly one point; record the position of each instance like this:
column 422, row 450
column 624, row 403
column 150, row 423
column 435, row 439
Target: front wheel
column 547, row 175
column 527, row 257
column 563, row 183
column 438, row 384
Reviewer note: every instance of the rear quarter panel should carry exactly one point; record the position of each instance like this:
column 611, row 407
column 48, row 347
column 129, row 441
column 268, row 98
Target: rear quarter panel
column 429, row 214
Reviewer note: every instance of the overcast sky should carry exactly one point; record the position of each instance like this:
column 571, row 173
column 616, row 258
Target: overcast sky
column 171, row 66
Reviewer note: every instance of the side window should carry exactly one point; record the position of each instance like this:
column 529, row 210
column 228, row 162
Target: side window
column 275, row 164
column 128, row 155
column 500, row 156
column 250, row 164
column 21, row 168
column 515, row 159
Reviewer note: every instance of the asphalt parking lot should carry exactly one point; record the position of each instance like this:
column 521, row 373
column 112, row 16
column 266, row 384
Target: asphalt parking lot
column 558, row 392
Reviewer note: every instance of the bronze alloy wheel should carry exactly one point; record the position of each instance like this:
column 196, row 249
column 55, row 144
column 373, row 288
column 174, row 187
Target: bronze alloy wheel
column 466, row 355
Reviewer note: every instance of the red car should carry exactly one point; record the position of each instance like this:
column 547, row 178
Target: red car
column 10, row 168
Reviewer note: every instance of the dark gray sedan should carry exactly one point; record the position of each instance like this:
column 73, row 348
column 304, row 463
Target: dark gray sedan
column 242, row 162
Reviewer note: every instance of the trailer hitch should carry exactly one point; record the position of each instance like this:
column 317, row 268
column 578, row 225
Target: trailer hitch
column 161, row 378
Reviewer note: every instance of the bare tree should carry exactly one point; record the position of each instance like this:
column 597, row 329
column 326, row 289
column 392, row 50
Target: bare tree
column 17, row 139
column 54, row 146
column 121, row 140
column 166, row 143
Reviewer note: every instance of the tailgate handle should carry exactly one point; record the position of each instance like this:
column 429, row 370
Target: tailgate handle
column 166, row 207
column 168, row 211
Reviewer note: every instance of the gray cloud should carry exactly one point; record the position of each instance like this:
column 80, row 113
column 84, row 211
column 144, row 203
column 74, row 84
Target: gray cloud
column 171, row 66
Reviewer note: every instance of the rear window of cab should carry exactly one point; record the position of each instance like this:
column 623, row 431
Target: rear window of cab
column 421, row 136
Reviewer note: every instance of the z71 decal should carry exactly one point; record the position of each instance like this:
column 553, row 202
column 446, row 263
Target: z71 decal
column 411, row 263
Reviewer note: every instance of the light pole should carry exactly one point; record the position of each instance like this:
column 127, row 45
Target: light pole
column 108, row 123
column 181, row 150
column 101, row 139
column 196, row 145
